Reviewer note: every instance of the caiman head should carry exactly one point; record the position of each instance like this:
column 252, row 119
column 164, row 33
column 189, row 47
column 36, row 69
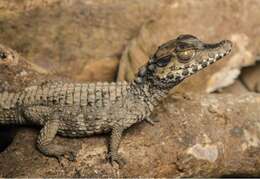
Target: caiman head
column 178, row 59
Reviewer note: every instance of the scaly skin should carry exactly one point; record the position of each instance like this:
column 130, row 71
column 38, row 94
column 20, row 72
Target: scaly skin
column 79, row 110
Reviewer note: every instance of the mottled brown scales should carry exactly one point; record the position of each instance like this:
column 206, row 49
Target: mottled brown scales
column 79, row 110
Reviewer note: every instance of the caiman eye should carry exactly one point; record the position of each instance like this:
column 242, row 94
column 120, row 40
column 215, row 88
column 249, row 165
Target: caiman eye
column 163, row 61
column 185, row 56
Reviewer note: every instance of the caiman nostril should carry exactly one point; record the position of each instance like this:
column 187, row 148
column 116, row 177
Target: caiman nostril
column 227, row 45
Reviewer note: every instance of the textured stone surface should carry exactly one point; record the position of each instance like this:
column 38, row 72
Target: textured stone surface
column 250, row 77
column 16, row 72
column 65, row 36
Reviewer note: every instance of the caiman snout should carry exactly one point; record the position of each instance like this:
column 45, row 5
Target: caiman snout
column 227, row 45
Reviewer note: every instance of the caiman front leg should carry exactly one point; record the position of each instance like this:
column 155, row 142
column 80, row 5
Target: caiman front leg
column 45, row 139
column 115, row 140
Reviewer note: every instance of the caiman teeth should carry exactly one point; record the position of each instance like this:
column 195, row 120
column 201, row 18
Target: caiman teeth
column 203, row 63
column 211, row 61
column 191, row 70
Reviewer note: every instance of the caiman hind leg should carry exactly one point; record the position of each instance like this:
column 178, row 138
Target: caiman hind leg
column 115, row 140
column 49, row 119
column 45, row 139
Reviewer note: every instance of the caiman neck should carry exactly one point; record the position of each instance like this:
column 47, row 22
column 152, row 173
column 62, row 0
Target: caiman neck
column 152, row 95
column 149, row 88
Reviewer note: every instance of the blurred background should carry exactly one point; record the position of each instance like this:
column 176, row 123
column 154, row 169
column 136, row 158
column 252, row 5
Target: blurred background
column 107, row 40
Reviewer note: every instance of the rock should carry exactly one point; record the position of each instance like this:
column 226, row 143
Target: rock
column 16, row 72
column 63, row 36
column 99, row 70
column 250, row 77
column 236, row 88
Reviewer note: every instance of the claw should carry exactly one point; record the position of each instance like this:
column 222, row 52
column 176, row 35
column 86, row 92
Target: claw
column 120, row 161
column 59, row 158
column 72, row 156
column 116, row 159
column 151, row 121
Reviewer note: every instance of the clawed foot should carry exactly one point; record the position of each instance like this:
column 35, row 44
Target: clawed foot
column 116, row 158
column 58, row 152
column 69, row 155
column 151, row 121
